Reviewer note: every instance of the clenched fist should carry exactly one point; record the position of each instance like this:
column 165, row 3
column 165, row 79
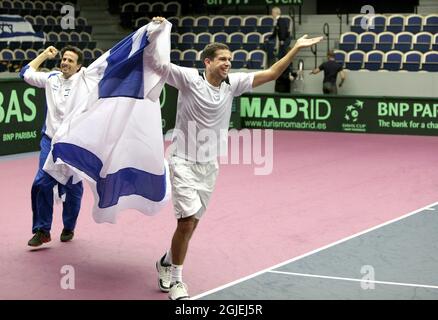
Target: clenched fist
column 50, row 52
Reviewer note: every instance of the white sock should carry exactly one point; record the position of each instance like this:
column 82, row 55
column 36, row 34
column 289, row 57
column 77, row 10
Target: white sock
column 176, row 271
column 167, row 259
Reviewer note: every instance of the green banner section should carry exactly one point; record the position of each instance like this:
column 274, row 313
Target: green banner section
column 391, row 115
column 22, row 114
column 22, row 109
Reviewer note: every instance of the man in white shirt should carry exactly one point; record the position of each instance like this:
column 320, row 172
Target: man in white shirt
column 58, row 86
column 202, row 121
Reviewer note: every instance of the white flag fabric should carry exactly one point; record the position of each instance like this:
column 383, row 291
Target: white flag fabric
column 16, row 28
column 113, row 136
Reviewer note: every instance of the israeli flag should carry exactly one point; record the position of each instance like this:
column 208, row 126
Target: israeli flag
column 16, row 28
column 113, row 135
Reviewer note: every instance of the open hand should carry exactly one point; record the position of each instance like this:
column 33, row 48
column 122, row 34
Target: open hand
column 304, row 42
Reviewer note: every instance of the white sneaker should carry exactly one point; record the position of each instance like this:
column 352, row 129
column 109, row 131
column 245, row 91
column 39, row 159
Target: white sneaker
column 164, row 276
column 178, row 291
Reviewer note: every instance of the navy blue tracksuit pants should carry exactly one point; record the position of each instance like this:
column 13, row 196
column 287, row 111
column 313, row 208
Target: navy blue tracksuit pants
column 42, row 196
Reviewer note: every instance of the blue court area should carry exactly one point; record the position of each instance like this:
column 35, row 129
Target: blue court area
column 394, row 261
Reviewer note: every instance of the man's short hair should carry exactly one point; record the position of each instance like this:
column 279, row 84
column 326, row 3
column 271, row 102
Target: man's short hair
column 331, row 54
column 210, row 50
column 75, row 50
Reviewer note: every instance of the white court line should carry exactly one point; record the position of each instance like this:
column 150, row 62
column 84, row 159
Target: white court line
column 310, row 253
column 430, row 209
column 356, row 280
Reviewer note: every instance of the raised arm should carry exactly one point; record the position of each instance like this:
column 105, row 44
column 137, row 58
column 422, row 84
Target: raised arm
column 49, row 53
column 277, row 68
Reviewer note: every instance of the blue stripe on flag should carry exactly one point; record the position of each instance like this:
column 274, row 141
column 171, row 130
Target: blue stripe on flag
column 18, row 34
column 123, row 76
column 125, row 182
column 12, row 18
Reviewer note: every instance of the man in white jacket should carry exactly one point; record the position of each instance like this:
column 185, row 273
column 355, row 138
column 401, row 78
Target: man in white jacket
column 58, row 86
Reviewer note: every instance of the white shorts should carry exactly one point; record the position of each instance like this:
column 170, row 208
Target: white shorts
column 192, row 185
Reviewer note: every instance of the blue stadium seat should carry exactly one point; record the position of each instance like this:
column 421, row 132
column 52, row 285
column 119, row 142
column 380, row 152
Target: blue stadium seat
column 403, row 41
column 157, row 8
column 366, row 41
column 235, row 40
column 31, row 54
column 249, row 24
column 396, row 23
column 379, row 23
column 175, row 55
column 233, row 24
column 186, row 24
column 30, row 19
column 217, row 24
column 40, row 20
column 7, row 55
column 385, row 41
column 202, row 24
column 340, row 56
column 252, row 41
column 393, row 60
column 188, row 58
column 239, row 59
column 355, row 60
column 64, row 36
column 348, row 41
column 265, row 24
column 373, row 60
column 202, row 39
column 423, row 41
column 414, row 23
column 85, row 36
column 356, row 23
column 39, row 5
column 173, row 8
column 88, row 54
column 430, row 23
column 143, row 7
column 19, row 54
column 174, row 40
column 129, row 7
column 220, row 37
column 430, row 61
column 412, row 61
column 51, row 20
column 97, row 53
column 175, row 22
column 257, row 59
column 186, row 41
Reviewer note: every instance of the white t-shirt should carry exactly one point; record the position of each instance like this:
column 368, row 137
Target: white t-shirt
column 58, row 89
column 203, row 112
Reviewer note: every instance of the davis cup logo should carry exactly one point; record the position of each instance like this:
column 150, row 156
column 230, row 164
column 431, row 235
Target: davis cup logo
column 352, row 111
